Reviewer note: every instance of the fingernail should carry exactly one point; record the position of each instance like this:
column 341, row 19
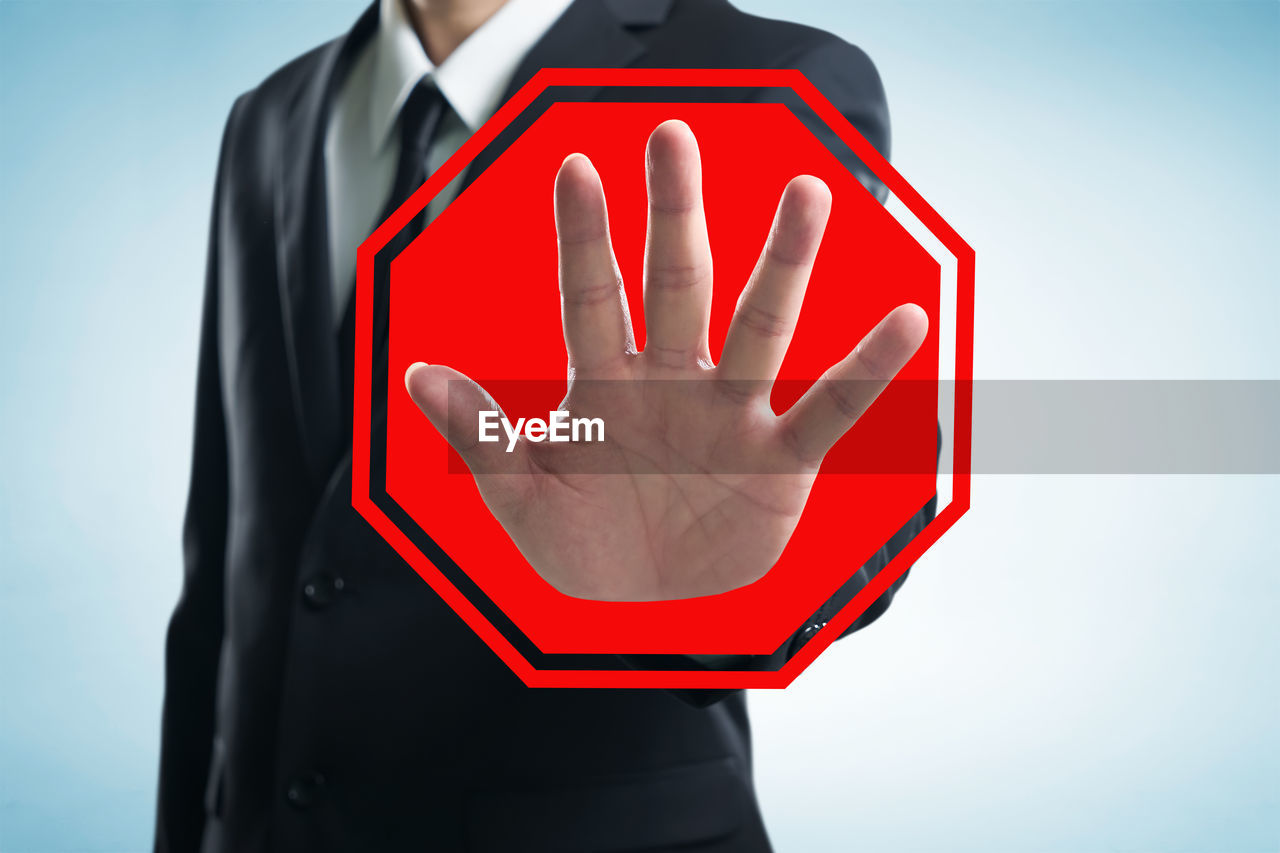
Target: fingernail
column 408, row 373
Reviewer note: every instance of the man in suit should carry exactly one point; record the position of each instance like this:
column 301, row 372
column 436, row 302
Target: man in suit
column 319, row 695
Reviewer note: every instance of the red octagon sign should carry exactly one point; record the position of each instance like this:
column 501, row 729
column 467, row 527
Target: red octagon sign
column 504, row 331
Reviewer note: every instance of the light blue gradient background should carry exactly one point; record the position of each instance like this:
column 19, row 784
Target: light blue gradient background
column 1083, row 664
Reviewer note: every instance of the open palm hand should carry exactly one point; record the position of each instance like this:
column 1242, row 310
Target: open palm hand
column 697, row 485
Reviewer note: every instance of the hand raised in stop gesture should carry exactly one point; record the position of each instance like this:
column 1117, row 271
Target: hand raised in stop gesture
column 698, row 484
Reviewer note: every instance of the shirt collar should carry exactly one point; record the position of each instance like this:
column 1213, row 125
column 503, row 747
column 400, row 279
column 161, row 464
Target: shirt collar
column 473, row 78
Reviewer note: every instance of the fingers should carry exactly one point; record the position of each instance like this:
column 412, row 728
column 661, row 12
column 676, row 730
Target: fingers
column 677, row 258
column 769, row 306
column 835, row 402
column 593, row 303
column 453, row 404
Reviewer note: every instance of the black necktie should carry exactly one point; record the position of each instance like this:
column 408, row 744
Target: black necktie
column 420, row 121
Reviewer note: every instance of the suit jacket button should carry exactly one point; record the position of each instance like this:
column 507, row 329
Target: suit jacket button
column 320, row 590
column 303, row 791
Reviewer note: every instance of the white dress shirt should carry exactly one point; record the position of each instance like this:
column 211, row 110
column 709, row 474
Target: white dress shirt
column 362, row 140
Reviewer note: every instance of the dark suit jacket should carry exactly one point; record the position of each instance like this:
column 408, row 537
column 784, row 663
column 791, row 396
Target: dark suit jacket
column 319, row 695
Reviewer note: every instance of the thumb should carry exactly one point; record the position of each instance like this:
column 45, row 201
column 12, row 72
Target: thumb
column 453, row 403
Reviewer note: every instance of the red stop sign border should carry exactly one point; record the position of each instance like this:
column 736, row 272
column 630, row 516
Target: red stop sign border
column 626, row 675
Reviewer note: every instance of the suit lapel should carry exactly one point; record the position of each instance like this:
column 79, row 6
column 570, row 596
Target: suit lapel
column 302, row 254
column 590, row 34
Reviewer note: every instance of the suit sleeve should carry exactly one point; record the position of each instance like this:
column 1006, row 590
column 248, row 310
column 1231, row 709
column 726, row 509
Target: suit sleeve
column 194, row 639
